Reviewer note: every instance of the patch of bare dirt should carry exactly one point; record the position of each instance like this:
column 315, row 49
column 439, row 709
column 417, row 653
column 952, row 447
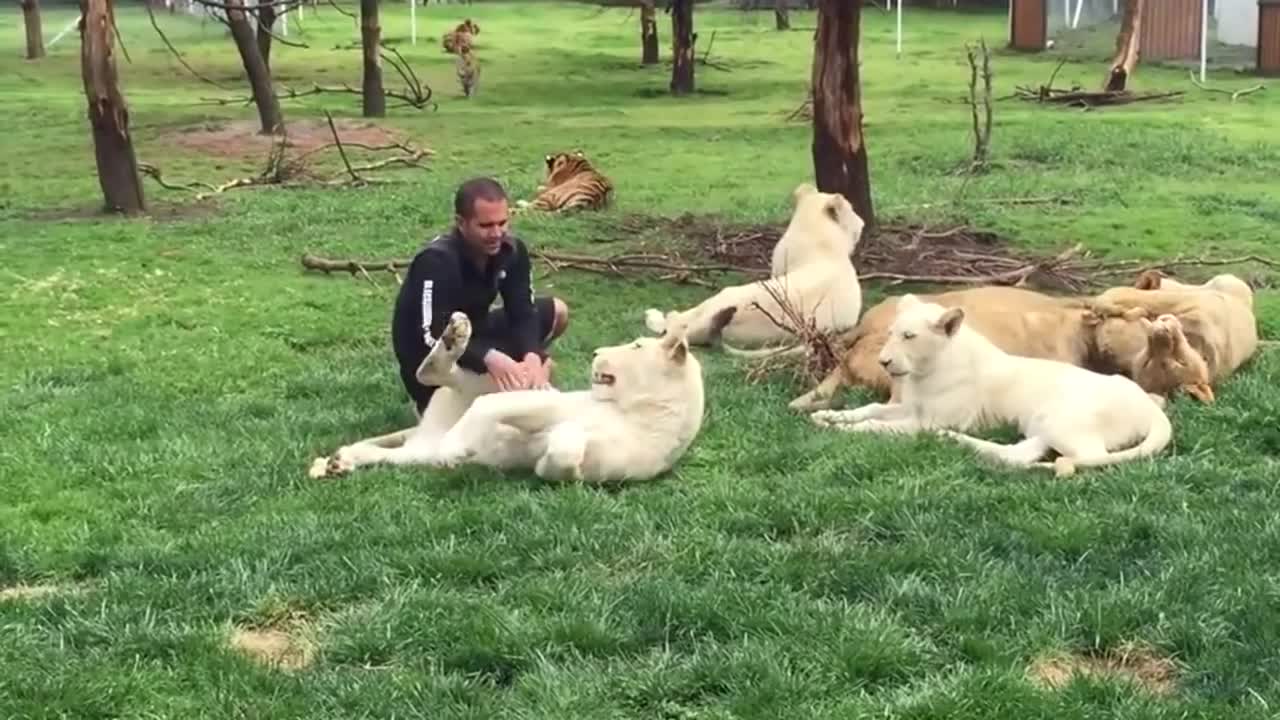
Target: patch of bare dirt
column 1136, row 664
column 157, row 211
column 904, row 252
column 240, row 138
column 275, row 648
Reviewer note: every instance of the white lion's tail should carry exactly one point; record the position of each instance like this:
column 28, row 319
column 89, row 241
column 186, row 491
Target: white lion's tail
column 769, row 352
column 1157, row 439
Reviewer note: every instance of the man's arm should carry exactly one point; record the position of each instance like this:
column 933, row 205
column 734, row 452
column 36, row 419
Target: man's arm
column 517, row 301
column 436, row 281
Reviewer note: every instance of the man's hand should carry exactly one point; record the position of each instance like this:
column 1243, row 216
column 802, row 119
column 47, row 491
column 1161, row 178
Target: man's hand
column 539, row 374
column 506, row 373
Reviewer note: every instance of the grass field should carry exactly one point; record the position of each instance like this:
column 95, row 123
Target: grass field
column 167, row 381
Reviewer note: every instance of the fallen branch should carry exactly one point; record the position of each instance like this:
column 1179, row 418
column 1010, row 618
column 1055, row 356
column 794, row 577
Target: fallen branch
column 1236, row 95
column 341, row 151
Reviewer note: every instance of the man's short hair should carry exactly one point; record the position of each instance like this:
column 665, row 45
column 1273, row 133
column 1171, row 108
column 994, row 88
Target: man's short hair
column 486, row 188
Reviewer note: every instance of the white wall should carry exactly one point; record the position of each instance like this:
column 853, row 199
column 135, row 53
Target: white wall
column 1238, row 22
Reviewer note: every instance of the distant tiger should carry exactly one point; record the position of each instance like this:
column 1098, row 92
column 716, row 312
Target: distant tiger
column 456, row 42
column 572, row 183
column 468, row 68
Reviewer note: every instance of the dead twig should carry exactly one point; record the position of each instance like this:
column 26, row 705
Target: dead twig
column 178, row 55
column 342, row 151
column 1234, row 95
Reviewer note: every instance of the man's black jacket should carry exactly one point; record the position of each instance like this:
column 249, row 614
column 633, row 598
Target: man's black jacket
column 441, row 280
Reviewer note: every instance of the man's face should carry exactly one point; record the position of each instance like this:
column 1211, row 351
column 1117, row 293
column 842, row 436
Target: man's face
column 487, row 226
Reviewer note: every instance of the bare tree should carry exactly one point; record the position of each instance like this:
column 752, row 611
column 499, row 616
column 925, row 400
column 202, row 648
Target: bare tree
column 1127, row 47
column 839, row 152
column 682, row 40
column 648, row 32
column 108, row 114
column 255, row 66
column 780, row 15
column 35, row 35
column 266, row 23
column 374, row 99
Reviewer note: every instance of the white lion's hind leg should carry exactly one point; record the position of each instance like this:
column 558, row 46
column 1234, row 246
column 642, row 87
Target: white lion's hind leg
column 566, row 449
column 415, row 450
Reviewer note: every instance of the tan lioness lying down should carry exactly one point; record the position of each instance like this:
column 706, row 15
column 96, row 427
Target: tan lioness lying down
column 1020, row 322
column 1217, row 316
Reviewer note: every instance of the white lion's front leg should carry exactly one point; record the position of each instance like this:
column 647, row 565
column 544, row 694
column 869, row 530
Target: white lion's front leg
column 566, row 450
column 440, row 365
column 902, row 426
column 889, row 412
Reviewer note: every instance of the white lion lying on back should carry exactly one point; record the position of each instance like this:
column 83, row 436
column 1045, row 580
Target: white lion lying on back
column 810, row 267
column 644, row 409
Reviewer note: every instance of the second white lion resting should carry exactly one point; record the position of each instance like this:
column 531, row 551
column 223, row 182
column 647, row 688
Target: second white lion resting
column 810, row 271
column 954, row 379
column 644, row 409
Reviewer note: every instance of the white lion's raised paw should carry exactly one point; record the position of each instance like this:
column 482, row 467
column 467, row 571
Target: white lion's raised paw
column 457, row 332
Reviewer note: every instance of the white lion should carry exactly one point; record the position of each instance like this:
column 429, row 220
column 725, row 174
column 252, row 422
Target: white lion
column 644, row 409
column 954, row 379
column 811, row 268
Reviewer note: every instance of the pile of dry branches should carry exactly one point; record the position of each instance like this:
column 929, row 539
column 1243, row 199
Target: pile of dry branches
column 282, row 170
column 1077, row 96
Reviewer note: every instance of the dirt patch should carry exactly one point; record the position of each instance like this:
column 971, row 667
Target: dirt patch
column 273, row 647
column 30, row 592
column 240, row 138
column 161, row 211
column 1139, row 665
column 903, row 252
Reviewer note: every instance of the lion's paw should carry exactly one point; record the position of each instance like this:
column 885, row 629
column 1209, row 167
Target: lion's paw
column 457, row 332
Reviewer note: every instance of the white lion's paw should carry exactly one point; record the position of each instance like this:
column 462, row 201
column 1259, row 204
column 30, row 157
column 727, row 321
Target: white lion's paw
column 319, row 468
column 655, row 321
column 457, row 332
column 326, row 467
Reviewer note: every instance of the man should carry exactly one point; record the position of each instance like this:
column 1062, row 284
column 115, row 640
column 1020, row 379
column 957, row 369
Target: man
column 464, row 270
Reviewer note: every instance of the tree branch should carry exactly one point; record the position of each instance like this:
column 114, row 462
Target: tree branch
column 178, row 55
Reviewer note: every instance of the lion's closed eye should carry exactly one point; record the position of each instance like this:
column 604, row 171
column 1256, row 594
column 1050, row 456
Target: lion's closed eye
column 908, row 335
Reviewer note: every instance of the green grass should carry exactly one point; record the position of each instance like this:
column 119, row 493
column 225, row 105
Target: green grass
column 167, row 381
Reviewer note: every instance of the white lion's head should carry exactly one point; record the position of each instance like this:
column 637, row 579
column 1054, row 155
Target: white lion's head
column 823, row 228
column 919, row 334
column 645, row 368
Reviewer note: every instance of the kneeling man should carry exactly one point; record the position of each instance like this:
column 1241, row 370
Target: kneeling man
column 464, row 270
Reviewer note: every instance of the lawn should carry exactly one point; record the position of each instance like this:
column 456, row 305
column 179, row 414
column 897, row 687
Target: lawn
column 167, row 381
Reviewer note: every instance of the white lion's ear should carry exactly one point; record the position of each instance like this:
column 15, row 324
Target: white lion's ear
column 676, row 347
column 950, row 321
column 803, row 189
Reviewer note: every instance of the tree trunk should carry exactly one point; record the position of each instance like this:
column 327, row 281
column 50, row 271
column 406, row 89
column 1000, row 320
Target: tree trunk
column 682, row 40
column 648, row 33
column 35, row 36
column 108, row 113
column 1127, row 47
column 375, row 102
column 266, row 23
column 780, row 15
column 259, row 75
column 839, row 154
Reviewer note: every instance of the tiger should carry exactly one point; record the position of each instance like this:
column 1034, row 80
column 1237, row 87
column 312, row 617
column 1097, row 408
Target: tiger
column 572, row 183
column 468, row 68
column 456, row 42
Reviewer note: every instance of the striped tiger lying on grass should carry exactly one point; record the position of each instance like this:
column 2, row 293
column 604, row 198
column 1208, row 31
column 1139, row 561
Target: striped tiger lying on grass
column 572, row 183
